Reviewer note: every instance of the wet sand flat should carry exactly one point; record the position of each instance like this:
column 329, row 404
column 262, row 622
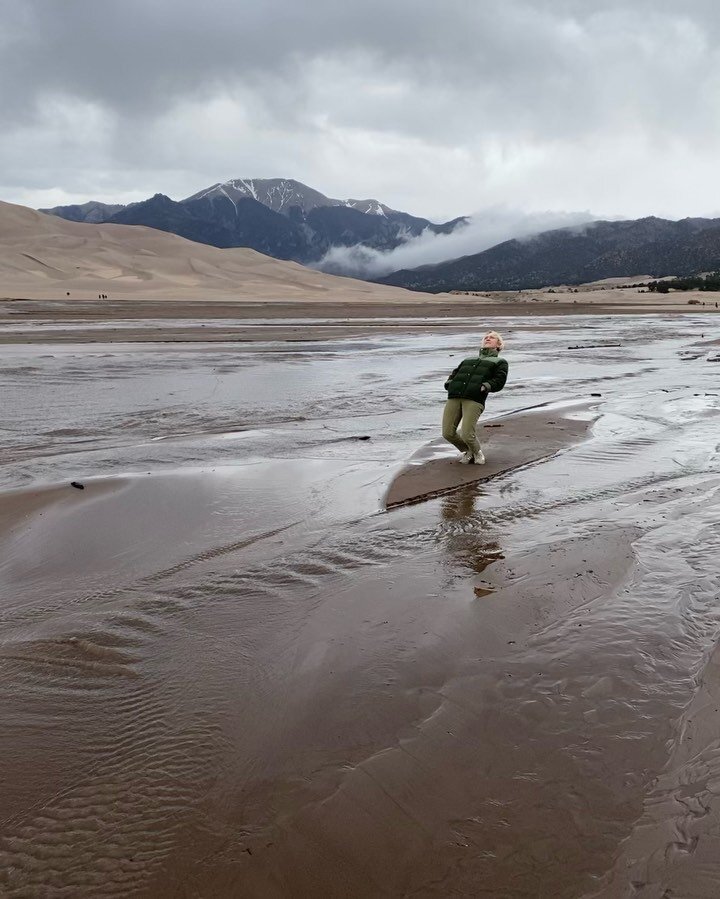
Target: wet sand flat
column 229, row 670
column 520, row 438
column 136, row 320
column 132, row 318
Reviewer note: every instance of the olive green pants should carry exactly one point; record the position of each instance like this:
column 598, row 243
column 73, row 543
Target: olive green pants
column 464, row 413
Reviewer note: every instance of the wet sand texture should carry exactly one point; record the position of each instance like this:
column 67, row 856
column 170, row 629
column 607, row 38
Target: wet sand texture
column 263, row 716
column 227, row 671
column 508, row 442
column 674, row 848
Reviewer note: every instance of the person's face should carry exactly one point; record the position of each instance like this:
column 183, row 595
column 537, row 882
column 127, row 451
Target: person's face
column 490, row 342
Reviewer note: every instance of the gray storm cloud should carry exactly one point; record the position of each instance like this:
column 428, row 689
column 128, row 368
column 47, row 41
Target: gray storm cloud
column 532, row 64
column 482, row 231
column 433, row 108
column 180, row 48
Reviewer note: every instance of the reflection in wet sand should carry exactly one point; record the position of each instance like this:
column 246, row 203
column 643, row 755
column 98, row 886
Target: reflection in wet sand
column 226, row 675
column 465, row 537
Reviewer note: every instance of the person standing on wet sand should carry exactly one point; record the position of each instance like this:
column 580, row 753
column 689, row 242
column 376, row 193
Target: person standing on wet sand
column 468, row 387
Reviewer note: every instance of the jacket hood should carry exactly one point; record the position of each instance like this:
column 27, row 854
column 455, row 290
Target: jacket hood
column 486, row 351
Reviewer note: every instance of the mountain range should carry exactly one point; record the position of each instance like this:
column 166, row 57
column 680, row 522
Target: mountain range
column 288, row 220
column 277, row 216
column 577, row 255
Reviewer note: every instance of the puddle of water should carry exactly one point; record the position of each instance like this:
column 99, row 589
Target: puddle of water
column 245, row 679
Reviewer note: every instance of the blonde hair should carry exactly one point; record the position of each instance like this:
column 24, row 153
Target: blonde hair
column 501, row 342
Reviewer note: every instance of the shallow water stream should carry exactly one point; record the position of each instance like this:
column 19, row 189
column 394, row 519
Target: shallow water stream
column 227, row 673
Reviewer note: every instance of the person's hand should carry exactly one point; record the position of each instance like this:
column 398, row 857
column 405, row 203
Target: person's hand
column 486, row 387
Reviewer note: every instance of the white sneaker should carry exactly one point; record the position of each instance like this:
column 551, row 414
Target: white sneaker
column 466, row 458
column 479, row 458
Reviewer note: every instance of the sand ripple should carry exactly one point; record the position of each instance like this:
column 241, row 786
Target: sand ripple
column 231, row 677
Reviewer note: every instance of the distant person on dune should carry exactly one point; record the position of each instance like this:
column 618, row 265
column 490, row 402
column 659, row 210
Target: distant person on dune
column 468, row 387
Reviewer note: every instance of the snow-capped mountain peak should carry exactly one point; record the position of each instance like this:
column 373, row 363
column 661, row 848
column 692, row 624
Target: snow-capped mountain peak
column 282, row 194
column 280, row 217
column 278, row 194
column 369, row 207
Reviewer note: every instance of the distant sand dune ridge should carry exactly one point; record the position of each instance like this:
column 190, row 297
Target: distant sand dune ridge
column 44, row 257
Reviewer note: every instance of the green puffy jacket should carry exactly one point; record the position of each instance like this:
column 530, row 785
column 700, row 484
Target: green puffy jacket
column 474, row 378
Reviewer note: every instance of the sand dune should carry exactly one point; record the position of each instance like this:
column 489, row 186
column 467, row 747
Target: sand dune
column 44, row 257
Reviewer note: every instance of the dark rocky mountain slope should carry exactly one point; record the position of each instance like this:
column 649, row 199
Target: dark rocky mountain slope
column 280, row 217
column 576, row 255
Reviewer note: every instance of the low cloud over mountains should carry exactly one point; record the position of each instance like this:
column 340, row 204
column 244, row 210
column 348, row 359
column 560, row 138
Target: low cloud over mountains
column 289, row 220
column 277, row 216
column 476, row 233
column 497, row 249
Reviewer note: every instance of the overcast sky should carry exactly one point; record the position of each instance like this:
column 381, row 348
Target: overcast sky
column 436, row 108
